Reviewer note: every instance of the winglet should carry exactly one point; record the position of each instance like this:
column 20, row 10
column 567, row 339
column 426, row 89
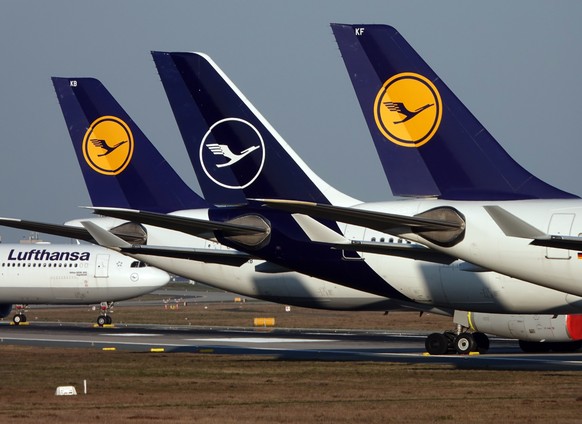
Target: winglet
column 104, row 237
column 318, row 232
column 511, row 225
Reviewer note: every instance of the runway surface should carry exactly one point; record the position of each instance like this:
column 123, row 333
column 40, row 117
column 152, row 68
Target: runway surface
column 284, row 344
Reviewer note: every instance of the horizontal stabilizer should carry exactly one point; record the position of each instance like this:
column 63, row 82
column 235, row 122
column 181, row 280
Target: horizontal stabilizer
column 443, row 226
column 54, row 229
column 380, row 221
column 402, row 250
column 226, row 257
column 193, row 226
column 320, row 233
column 109, row 240
column 559, row 242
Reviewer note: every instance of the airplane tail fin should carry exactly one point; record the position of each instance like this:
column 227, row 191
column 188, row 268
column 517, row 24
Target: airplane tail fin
column 236, row 153
column 429, row 143
column 120, row 166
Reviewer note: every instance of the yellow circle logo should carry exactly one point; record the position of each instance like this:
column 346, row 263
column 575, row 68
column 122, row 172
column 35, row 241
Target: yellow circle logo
column 408, row 109
column 108, row 145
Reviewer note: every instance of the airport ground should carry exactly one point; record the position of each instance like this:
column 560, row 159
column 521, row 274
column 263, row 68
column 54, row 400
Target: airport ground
column 209, row 388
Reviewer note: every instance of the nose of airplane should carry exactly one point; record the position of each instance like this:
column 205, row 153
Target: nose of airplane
column 150, row 278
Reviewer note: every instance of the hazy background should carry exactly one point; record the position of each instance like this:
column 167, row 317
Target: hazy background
column 516, row 65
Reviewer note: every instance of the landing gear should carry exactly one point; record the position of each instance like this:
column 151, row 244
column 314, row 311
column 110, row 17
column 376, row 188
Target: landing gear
column 461, row 342
column 20, row 316
column 465, row 343
column 438, row 343
column 482, row 341
column 104, row 318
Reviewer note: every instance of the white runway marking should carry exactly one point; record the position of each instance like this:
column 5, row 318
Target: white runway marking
column 258, row 340
column 130, row 335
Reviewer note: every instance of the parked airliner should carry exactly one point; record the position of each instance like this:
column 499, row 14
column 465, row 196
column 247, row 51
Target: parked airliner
column 148, row 182
column 188, row 75
column 500, row 300
column 74, row 274
column 473, row 201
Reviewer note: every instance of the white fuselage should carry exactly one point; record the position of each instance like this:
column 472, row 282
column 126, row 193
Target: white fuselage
column 72, row 274
column 486, row 245
column 427, row 285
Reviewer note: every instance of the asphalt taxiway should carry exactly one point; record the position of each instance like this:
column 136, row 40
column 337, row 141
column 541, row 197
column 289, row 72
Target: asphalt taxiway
column 284, row 344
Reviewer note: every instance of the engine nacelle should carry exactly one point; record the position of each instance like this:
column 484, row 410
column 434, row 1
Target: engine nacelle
column 5, row 309
column 529, row 328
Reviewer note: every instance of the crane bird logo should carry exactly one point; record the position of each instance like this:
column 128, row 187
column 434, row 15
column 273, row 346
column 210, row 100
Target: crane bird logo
column 224, row 150
column 103, row 145
column 108, row 145
column 408, row 109
column 232, row 153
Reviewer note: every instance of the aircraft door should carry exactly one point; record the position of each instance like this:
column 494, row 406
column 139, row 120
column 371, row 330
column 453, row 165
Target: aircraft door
column 352, row 255
column 102, row 266
column 560, row 224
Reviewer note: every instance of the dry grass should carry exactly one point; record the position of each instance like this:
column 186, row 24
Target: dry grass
column 231, row 314
column 146, row 387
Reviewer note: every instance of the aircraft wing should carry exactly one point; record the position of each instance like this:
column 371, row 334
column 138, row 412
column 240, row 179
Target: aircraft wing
column 226, row 257
column 319, row 233
column 513, row 226
column 444, row 225
column 107, row 239
column 192, row 226
column 384, row 222
column 54, row 229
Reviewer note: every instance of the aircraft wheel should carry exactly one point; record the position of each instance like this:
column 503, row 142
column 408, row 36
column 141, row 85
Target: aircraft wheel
column 437, row 344
column 108, row 319
column 482, row 342
column 465, row 343
column 17, row 319
column 102, row 320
